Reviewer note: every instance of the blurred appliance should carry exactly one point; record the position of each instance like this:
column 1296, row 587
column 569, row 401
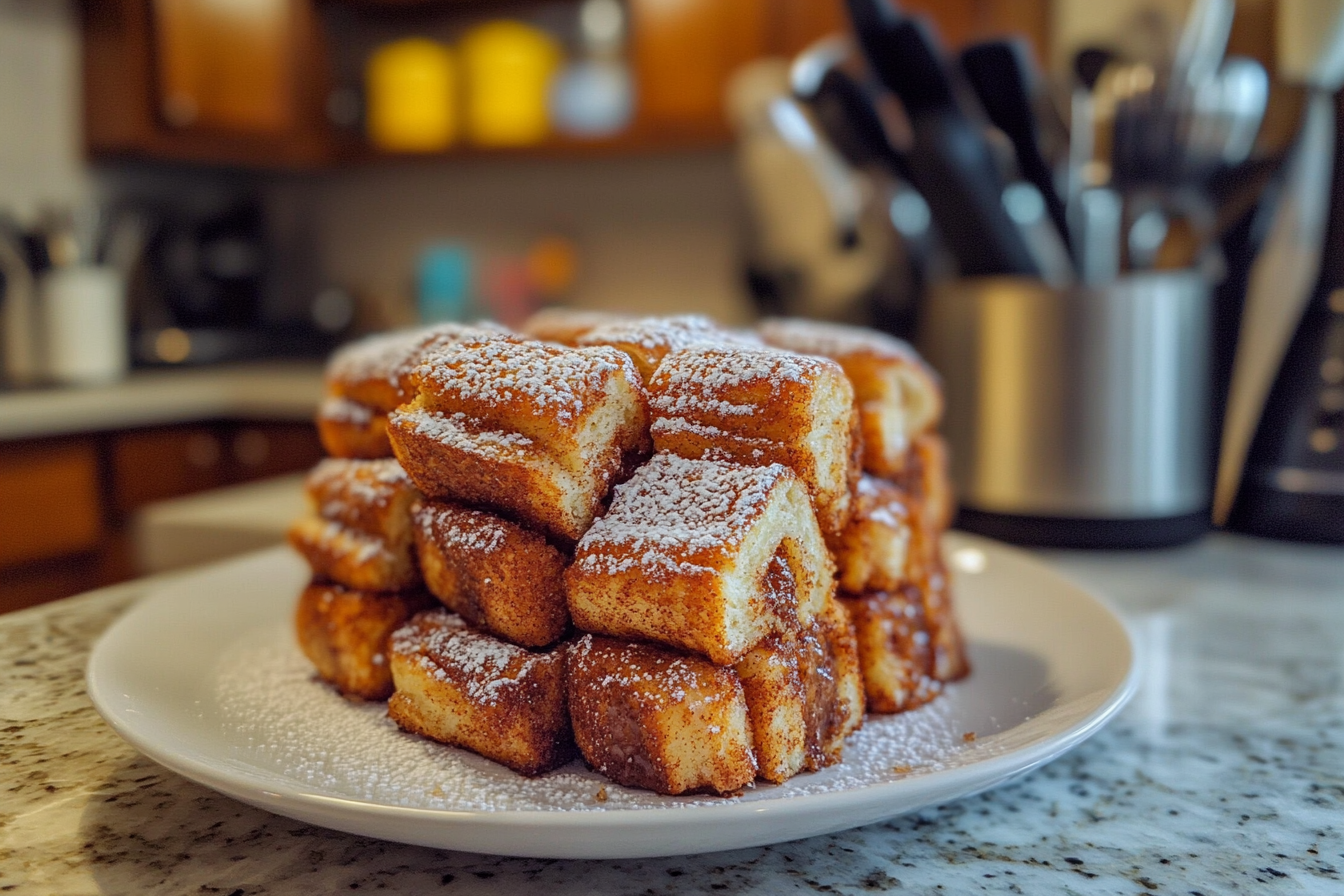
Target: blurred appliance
column 1287, row 479
column 203, row 295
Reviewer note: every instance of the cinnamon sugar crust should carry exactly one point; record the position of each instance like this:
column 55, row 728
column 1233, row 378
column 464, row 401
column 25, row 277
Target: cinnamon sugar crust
column 761, row 406
column 535, row 431
column 358, row 531
column 345, row 633
column 472, row 690
column 707, row 556
column 500, row 577
column 649, row 717
column 899, row 396
column 647, row 340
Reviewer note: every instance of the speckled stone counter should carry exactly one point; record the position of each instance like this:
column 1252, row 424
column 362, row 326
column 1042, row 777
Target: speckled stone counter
column 1224, row 775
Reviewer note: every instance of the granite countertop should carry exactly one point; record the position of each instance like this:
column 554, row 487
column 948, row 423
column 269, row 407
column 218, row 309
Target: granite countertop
column 1224, row 775
column 256, row 391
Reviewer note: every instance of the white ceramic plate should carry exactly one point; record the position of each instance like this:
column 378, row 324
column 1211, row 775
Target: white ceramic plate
column 202, row 676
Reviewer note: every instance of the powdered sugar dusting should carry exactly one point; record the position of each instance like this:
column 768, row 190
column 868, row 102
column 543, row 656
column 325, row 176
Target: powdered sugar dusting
column 455, row 528
column 537, row 377
column 274, row 714
column 697, row 380
column 675, row 510
column 340, row 485
column 881, row 502
column 464, row 433
column 831, row 340
column 343, row 410
column 484, row 667
column 665, row 334
column 390, row 356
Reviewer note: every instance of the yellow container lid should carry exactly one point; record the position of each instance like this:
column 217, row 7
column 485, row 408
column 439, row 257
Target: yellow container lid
column 411, row 96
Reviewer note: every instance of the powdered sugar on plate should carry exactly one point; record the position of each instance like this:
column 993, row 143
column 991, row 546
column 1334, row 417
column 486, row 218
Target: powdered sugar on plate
column 275, row 714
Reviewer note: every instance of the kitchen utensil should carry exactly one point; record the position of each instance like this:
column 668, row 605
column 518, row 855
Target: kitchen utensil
column 1005, row 79
column 1076, row 417
column 950, row 161
column 844, row 110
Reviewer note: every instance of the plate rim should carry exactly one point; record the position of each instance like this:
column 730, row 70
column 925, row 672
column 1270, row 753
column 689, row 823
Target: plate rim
column 294, row 799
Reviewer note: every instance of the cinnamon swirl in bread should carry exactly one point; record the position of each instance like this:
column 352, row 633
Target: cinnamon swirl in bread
column 804, row 694
column 358, row 532
column 707, row 556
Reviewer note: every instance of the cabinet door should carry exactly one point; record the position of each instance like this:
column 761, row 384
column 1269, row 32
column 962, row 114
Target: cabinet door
column 49, row 493
column 240, row 82
column 225, row 66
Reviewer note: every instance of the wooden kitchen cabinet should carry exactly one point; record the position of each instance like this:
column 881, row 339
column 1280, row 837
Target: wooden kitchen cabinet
column 205, row 81
column 252, row 84
column 67, row 501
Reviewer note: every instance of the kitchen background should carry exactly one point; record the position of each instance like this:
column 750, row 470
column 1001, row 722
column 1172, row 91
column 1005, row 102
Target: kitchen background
column 314, row 202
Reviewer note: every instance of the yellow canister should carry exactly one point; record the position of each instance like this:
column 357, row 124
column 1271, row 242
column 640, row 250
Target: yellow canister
column 411, row 96
column 507, row 68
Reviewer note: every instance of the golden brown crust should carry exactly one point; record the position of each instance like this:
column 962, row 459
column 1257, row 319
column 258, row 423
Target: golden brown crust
column 352, row 430
column 378, row 371
column 530, row 430
column 472, row 690
column 648, row 717
column 566, row 325
column 898, row 395
column 804, row 694
column 500, row 577
column 647, row 340
column 359, row 530
column 894, row 649
column 344, row 633
column 873, row 553
column 761, row 406
column 705, row 556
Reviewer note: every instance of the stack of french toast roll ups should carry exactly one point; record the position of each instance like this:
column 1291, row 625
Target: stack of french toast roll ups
column 693, row 556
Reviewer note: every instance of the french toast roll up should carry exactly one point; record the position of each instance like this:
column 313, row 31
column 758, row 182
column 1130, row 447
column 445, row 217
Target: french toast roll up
column 530, row 430
column 646, row 716
column 894, row 647
column 469, row 689
column 873, row 552
column 761, row 406
column 565, row 325
column 647, row 340
column 499, row 576
column 707, row 556
column 369, row 378
column 358, row 529
column 804, row 693
column 899, row 396
column 344, row 633
column 349, row 429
